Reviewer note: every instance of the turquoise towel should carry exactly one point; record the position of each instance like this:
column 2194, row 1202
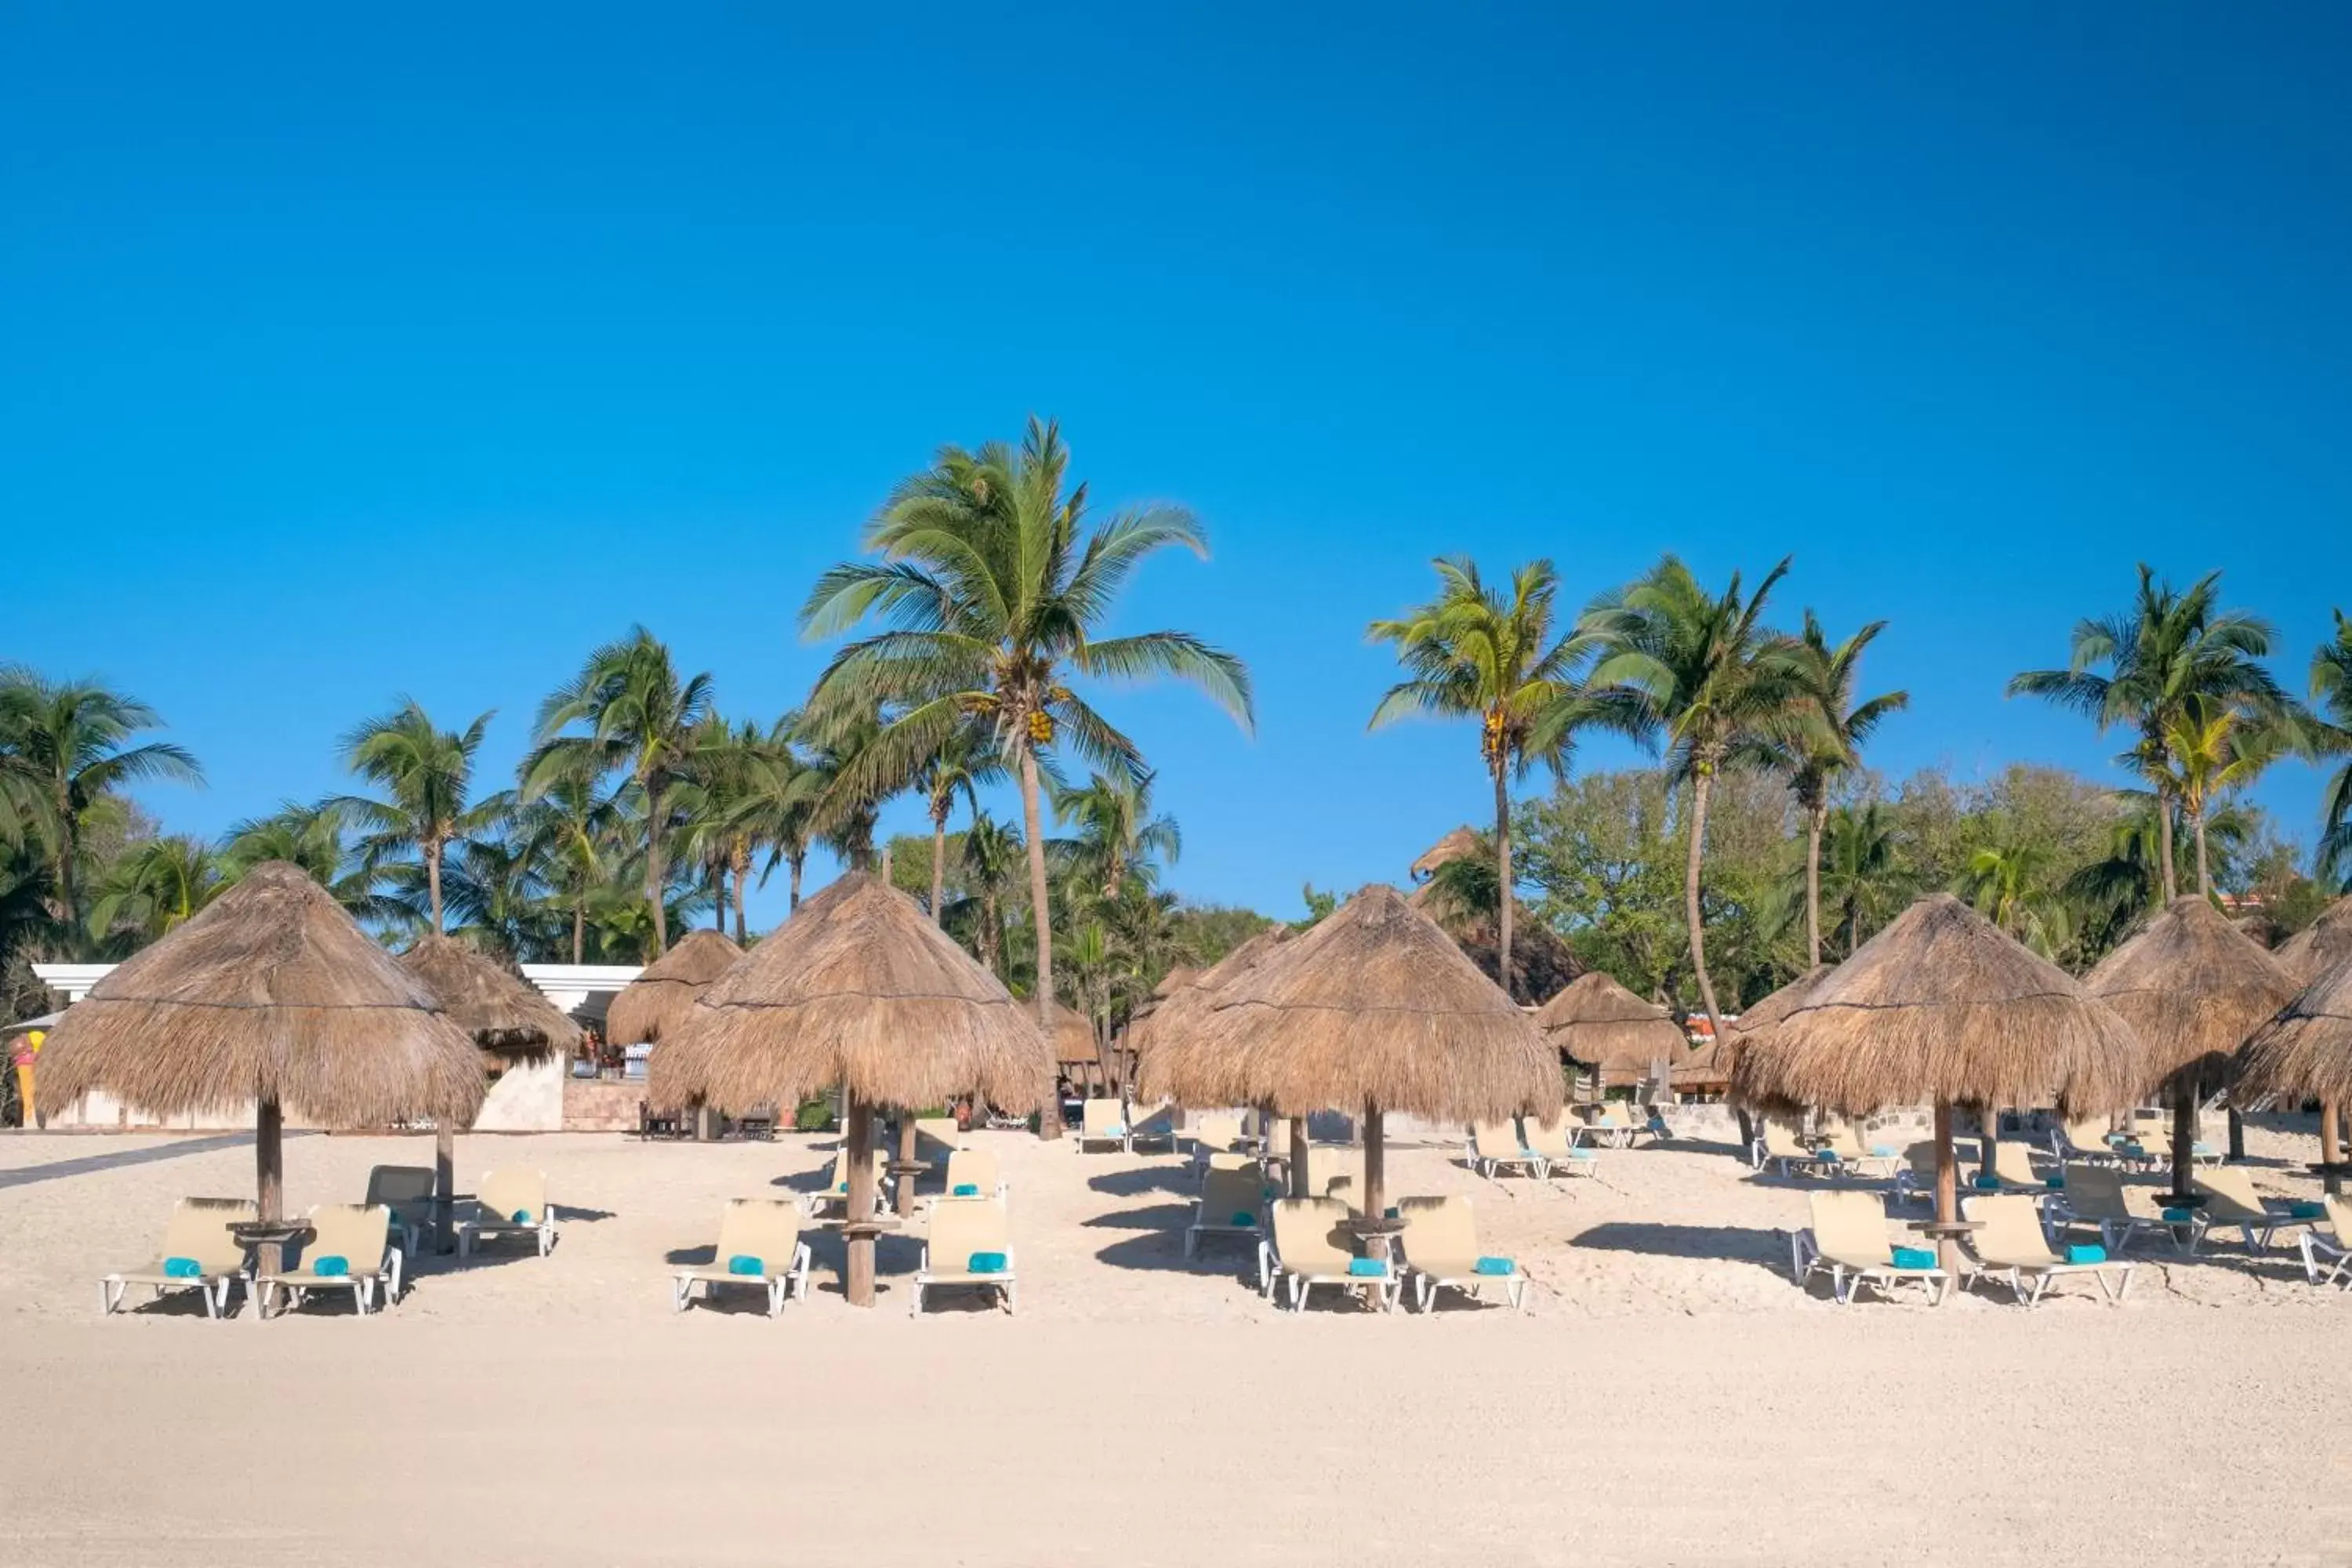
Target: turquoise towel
column 1987, row 1183
column 2201, row 1148
column 1915, row 1258
column 2056, row 1183
column 183, row 1268
column 333, row 1266
column 1883, row 1152
column 1243, row 1217
column 843, row 1188
column 391, row 1218
column 522, row 1217
column 986, row 1263
column 1502, row 1266
column 1829, row 1154
column 1369, row 1268
column 1583, row 1155
column 744, row 1263
column 965, row 1190
column 2178, row 1216
column 1114, row 1133
column 2306, row 1210
column 2086, row 1254
column 1393, row 1212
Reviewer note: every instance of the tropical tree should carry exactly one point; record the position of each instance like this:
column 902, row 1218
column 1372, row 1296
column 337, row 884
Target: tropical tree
column 571, row 836
column 1493, row 654
column 2009, row 885
column 995, row 583
column 1822, row 741
column 990, row 863
column 637, row 717
column 1859, row 874
column 2168, row 651
column 64, row 751
column 966, row 760
column 2209, row 749
column 1118, row 836
column 1709, row 679
column 427, row 774
column 153, row 886
column 2331, row 693
column 310, row 837
column 777, row 810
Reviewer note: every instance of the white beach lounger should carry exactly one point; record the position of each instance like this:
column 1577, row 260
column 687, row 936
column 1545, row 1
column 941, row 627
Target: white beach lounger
column 2232, row 1203
column 2093, row 1195
column 2011, row 1246
column 1557, row 1147
column 1497, row 1147
column 407, row 1192
column 1232, row 1202
column 759, row 1245
column 351, row 1251
column 1105, row 1121
column 1848, row 1242
column 1308, row 1248
column 969, row 1247
column 198, row 1254
column 508, row 1202
column 1781, row 1147
column 1440, row 1247
column 972, row 1173
column 2327, row 1260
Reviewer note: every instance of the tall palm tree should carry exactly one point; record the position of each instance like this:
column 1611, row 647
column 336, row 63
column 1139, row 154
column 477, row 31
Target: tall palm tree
column 2168, row 650
column 1862, row 868
column 640, row 719
column 1118, row 836
column 995, row 583
column 570, row 833
column 2008, row 885
column 310, row 837
column 63, row 751
column 964, row 762
column 1491, row 654
column 2209, row 749
column 427, row 774
column 1707, row 678
column 990, row 864
column 2331, row 694
column 1822, row 741
column 155, row 886
column 781, row 788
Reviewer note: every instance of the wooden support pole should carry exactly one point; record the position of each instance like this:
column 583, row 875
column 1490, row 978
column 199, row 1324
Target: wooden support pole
column 445, row 1185
column 2331, row 1147
column 1298, row 1159
column 859, row 1286
column 269, row 1177
column 906, row 1189
column 1947, row 1186
column 1375, row 1163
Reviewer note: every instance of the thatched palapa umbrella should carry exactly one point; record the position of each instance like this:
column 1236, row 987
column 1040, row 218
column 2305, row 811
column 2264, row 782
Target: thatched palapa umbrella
column 2305, row 1053
column 658, row 998
column 1375, row 1007
column 1942, row 1006
column 509, row 1019
column 1708, row 1068
column 1167, row 1043
column 2192, row 987
column 1598, row 1024
column 857, row 990
column 2319, row 946
column 273, row 997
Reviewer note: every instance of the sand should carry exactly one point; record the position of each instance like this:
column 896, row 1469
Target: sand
column 1669, row 1395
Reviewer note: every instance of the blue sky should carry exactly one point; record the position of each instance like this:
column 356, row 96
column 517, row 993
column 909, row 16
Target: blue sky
column 349, row 354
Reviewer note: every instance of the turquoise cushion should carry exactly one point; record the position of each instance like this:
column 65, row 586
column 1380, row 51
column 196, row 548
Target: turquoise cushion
column 1243, row 1217
column 1987, row 1183
column 744, row 1263
column 965, row 1190
column 183, row 1268
column 1583, row 1155
column 986, row 1263
column 1392, row 1212
column 391, row 1218
column 2178, row 1216
column 2086, row 1254
column 521, row 1216
column 1915, row 1258
column 2055, row 1183
column 1885, row 1152
column 2306, row 1210
column 1829, row 1154
column 333, row 1266
column 1369, row 1268
column 1503, row 1265
column 2201, row 1148
column 1114, row 1133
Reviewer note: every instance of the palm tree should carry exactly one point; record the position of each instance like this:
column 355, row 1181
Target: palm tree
column 990, row 864
column 312, row 837
column 2007, row 885
column 1822, row 742
column 1708, row 678
column 995, row 584
column 63, row 751
column 570, row 835
column 428, row 774
column 2209, row 749
column 963, row 762
column 2168, row 650
column 640, row 719
column 2331, row 692
column 781, row 788
column 154, row 886
column 1117, row 838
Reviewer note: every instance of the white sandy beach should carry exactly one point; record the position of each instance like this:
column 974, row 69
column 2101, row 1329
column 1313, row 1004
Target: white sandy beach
column 1669, row 1396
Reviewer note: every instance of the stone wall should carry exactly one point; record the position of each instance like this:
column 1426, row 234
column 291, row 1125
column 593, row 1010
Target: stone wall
column 600, row 1105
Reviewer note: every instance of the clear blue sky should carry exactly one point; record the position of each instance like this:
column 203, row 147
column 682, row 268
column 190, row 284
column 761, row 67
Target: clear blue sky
column 346, row 355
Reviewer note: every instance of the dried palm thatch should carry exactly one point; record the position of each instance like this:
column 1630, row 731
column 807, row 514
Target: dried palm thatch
column 1166, row 1043
column 507, row 1015
column 2306, row 1052
column 1942, row 1006
column 1375, row 1006
column 1707, row 1070
column 658, row 998
column 272, row 995
column 2192, row 987
column 1074, row 1038
column 1175, row 980
column 857, row 990
column 1598, row 1024
column 2319, row 946
column 1454, row 846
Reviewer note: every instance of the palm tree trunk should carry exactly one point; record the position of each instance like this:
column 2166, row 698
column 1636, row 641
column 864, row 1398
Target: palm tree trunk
column 2170, row 882
column 742, row 870
column 1049, row 1119
column 1701, row 785
column 654, row 866
column 1815, row 818
column 718, row 900
column 433, row 881
column 992, row 939
column 938, row 862
column 799, row 858
column 2204, row 870
column 580, row 929
column 1503, row 880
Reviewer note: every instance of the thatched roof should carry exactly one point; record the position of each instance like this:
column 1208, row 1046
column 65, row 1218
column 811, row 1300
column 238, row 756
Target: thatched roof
column 505, row 1013
column 1942, row 1006
column 1455, row 845
column 858, row 988
column 1596, row 1022
column 1175, row 980
column 2192, row 987
column 1375, row 1003
column 1074, row 1037
column 658, row 997
column 2306, row 1052
column 2319, row 946
column 271, row 993
column 1708, row 1068
column 1166, row 1044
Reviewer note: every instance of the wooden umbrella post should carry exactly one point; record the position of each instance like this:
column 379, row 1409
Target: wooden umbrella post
column 1947, row 1186
column 2331, row 1146
column 906, row 1189
column 445, row 1185
column 859, row 1232
column 2184, row 1142
column 1298, row 1159
column 269, row 1177
column 1375, row 1164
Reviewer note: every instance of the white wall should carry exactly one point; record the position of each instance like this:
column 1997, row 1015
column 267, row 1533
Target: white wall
column 527, row 1098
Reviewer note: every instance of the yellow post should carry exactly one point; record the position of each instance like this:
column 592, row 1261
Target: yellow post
column 28, row 1047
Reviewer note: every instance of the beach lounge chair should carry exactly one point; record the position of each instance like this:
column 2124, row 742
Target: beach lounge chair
column 1915, row 1182
column 1308, row 1248
column 1781, row 1147
column 407, row 1192
column 1214, row 1135
column 1848, row 1242
column 2012, row 1170
column 759, row 1244
column 2011, row 1246
column 2084, row 1142
column 972, row 1173
column 1331, row 1170
column 510, row 1202
column 1497, row 1147
column 1232, row 1202
column 198, row 1253
column 1853, row 1156
column 1556, row 1146
column 1155, row 1126
column 935, row 1138
column 1608, row 1125
column 832, row 1201
column 2094, row 1195
column 1440, row 1246
column 2231, row 1203
column 2327, row 1260
column 1104, row 1121
column 969, row 1246
column 351, row 1251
